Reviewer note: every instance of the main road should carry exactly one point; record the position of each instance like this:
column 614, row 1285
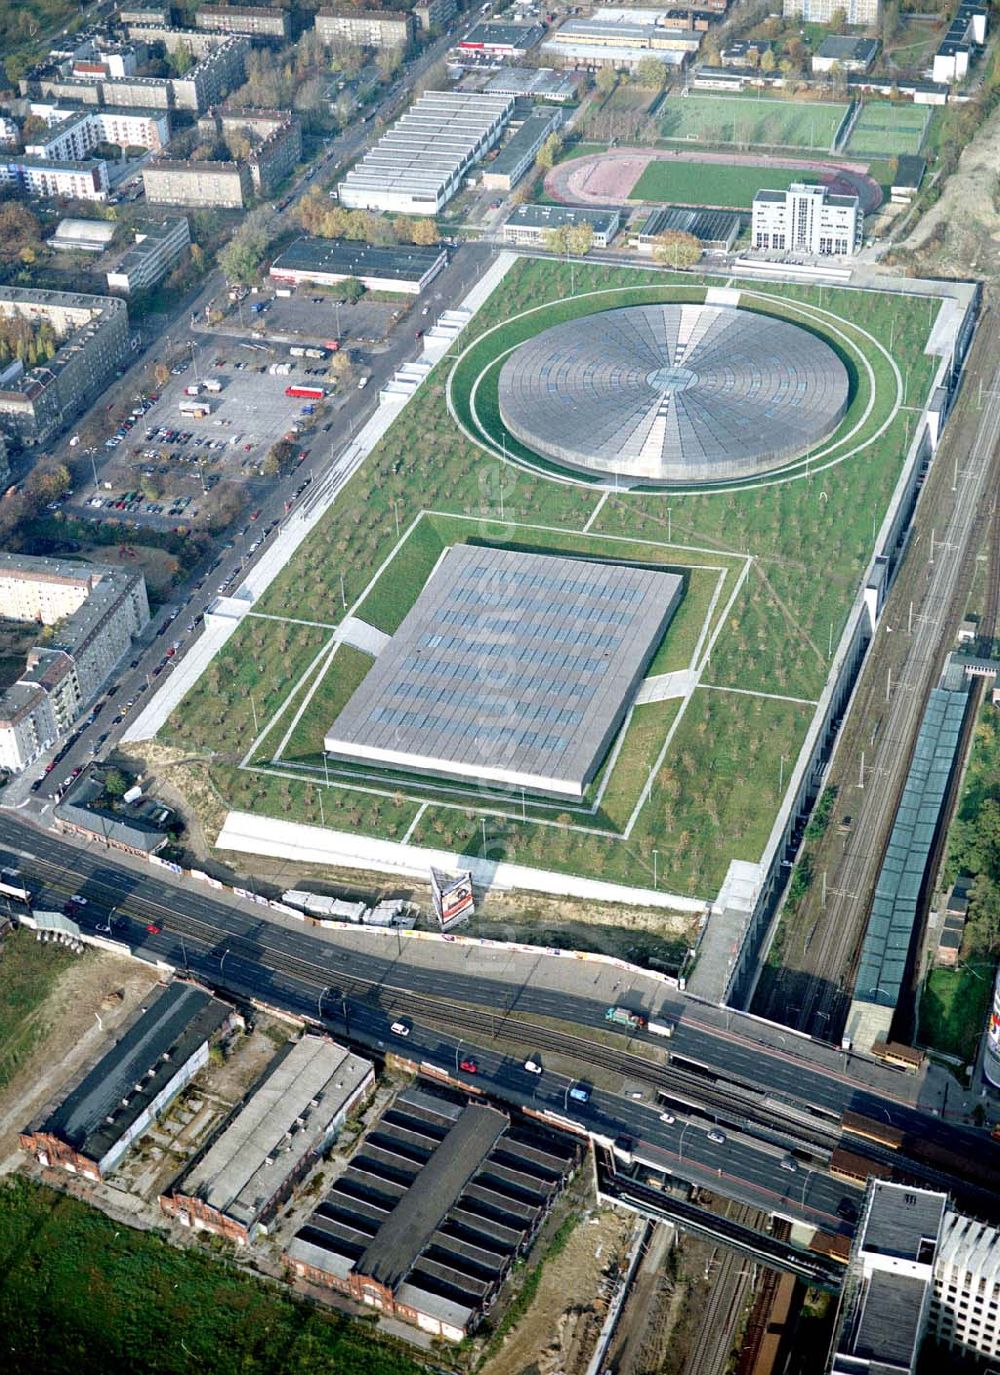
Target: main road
column 767, row 1102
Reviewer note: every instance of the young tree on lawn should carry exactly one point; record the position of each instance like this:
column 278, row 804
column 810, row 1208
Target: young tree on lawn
column 579, row 239
column 555, row 240
column 676, row 249
column 548, row 153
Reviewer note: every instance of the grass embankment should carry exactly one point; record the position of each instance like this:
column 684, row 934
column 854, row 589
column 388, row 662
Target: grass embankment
column 80, row 1293
column 28, row 970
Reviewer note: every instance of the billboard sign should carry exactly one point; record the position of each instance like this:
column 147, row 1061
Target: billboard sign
column 453, row 898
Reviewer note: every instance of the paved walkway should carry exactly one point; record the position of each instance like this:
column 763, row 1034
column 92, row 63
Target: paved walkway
column 360, row 635
column 667, row 685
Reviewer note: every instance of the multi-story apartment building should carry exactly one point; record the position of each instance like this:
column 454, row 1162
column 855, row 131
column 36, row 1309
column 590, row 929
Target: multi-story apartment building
column 110, row 59
column 137, row 92
column 918, row 1269
column 807, row 219
column 864, row 13
column 86, row 180
column 256, row 21
column 95, row 611
column 146, row 14
column 435, row 14
column 157, row 248
column 197, row 42
column 366, row 28
column 220, row 185
column 74, row 134
column 276, row 136
column 94, row 336
column 220, row 72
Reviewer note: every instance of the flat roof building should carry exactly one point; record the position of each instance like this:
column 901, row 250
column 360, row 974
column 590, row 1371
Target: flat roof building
column 256, row 21
column 217, row 185
column 860, row 13
column 157, row 248
column 436, row 1205
column 326, row 262
column 287, row 1122
column 93, row 335
column 367, row 28
column 518, row 156
column 527, row 225
column 417, row 166
column 94, row 610
column 807, row 219
column 136, row 1080
column 715, row 230
column 533, row 83
column 573, row 636
column 501, row 40
column 845, row 53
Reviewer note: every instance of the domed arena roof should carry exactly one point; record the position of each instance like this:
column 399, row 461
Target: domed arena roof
column 673, row 394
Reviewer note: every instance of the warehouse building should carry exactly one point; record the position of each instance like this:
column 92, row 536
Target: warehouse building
column 574, row 638
column 420, row 163
column 807, row 219
column 94, row 342
column 216, row 185
column 139, row 1077
column 256, row 21
column 95, row 611
column 528, row 225
column 440, row 1200
column 325, row 262
column 518, row 156
column 500, row 41
column 715, row 230
column 613, row 38
column 845, row 54
column 366, row 28
column 534, row 83
column 157, row 248
column 290, row 1118
column 82, row 236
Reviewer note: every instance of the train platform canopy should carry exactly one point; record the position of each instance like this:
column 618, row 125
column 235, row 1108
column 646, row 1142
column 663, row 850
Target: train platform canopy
column 510, row 668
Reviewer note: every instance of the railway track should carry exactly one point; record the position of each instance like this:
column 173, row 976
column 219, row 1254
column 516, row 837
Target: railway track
column 732, row 1284
column 814, row 992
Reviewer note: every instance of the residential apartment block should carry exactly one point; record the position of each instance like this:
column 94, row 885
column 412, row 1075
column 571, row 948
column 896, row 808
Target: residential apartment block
column 94, row 336
column 435, row 14
column 864, row 13
column 157, row 248
column 75, row 133
column 275, row 135
column 220, row 72
column 255, row 21
column 95, row 610
column 222, row 185
column 366, row 28
column 807, row 219
column 86, row 180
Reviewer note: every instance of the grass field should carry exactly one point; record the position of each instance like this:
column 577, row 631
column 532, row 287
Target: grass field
column 710, row 183
column 83, row 1295
column 885, row 129
column 953, row 1008
column 697, row 780
column 741, row 122
column 28, row 970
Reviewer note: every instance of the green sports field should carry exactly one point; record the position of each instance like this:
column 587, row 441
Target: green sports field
column 710, row 183
column 885, row 129
column 739, row 122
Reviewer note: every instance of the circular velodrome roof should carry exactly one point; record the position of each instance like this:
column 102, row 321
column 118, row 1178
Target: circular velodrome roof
column 673, row 393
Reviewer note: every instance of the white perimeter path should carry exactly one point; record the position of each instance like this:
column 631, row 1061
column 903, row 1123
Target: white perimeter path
column 298, row 526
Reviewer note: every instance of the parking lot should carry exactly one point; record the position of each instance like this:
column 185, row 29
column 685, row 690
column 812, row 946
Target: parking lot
column 166, row 462
column 313, row 316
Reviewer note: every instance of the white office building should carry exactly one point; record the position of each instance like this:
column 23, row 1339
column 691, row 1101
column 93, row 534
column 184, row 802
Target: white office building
column 419, row 164
column 807, row 219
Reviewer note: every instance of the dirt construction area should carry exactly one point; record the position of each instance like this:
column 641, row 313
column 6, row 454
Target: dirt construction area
column 559, row 1331
column 609, row 178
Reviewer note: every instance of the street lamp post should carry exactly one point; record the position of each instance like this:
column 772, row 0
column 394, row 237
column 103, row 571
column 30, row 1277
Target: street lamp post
column 319, row 1001
column 457, row 1049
